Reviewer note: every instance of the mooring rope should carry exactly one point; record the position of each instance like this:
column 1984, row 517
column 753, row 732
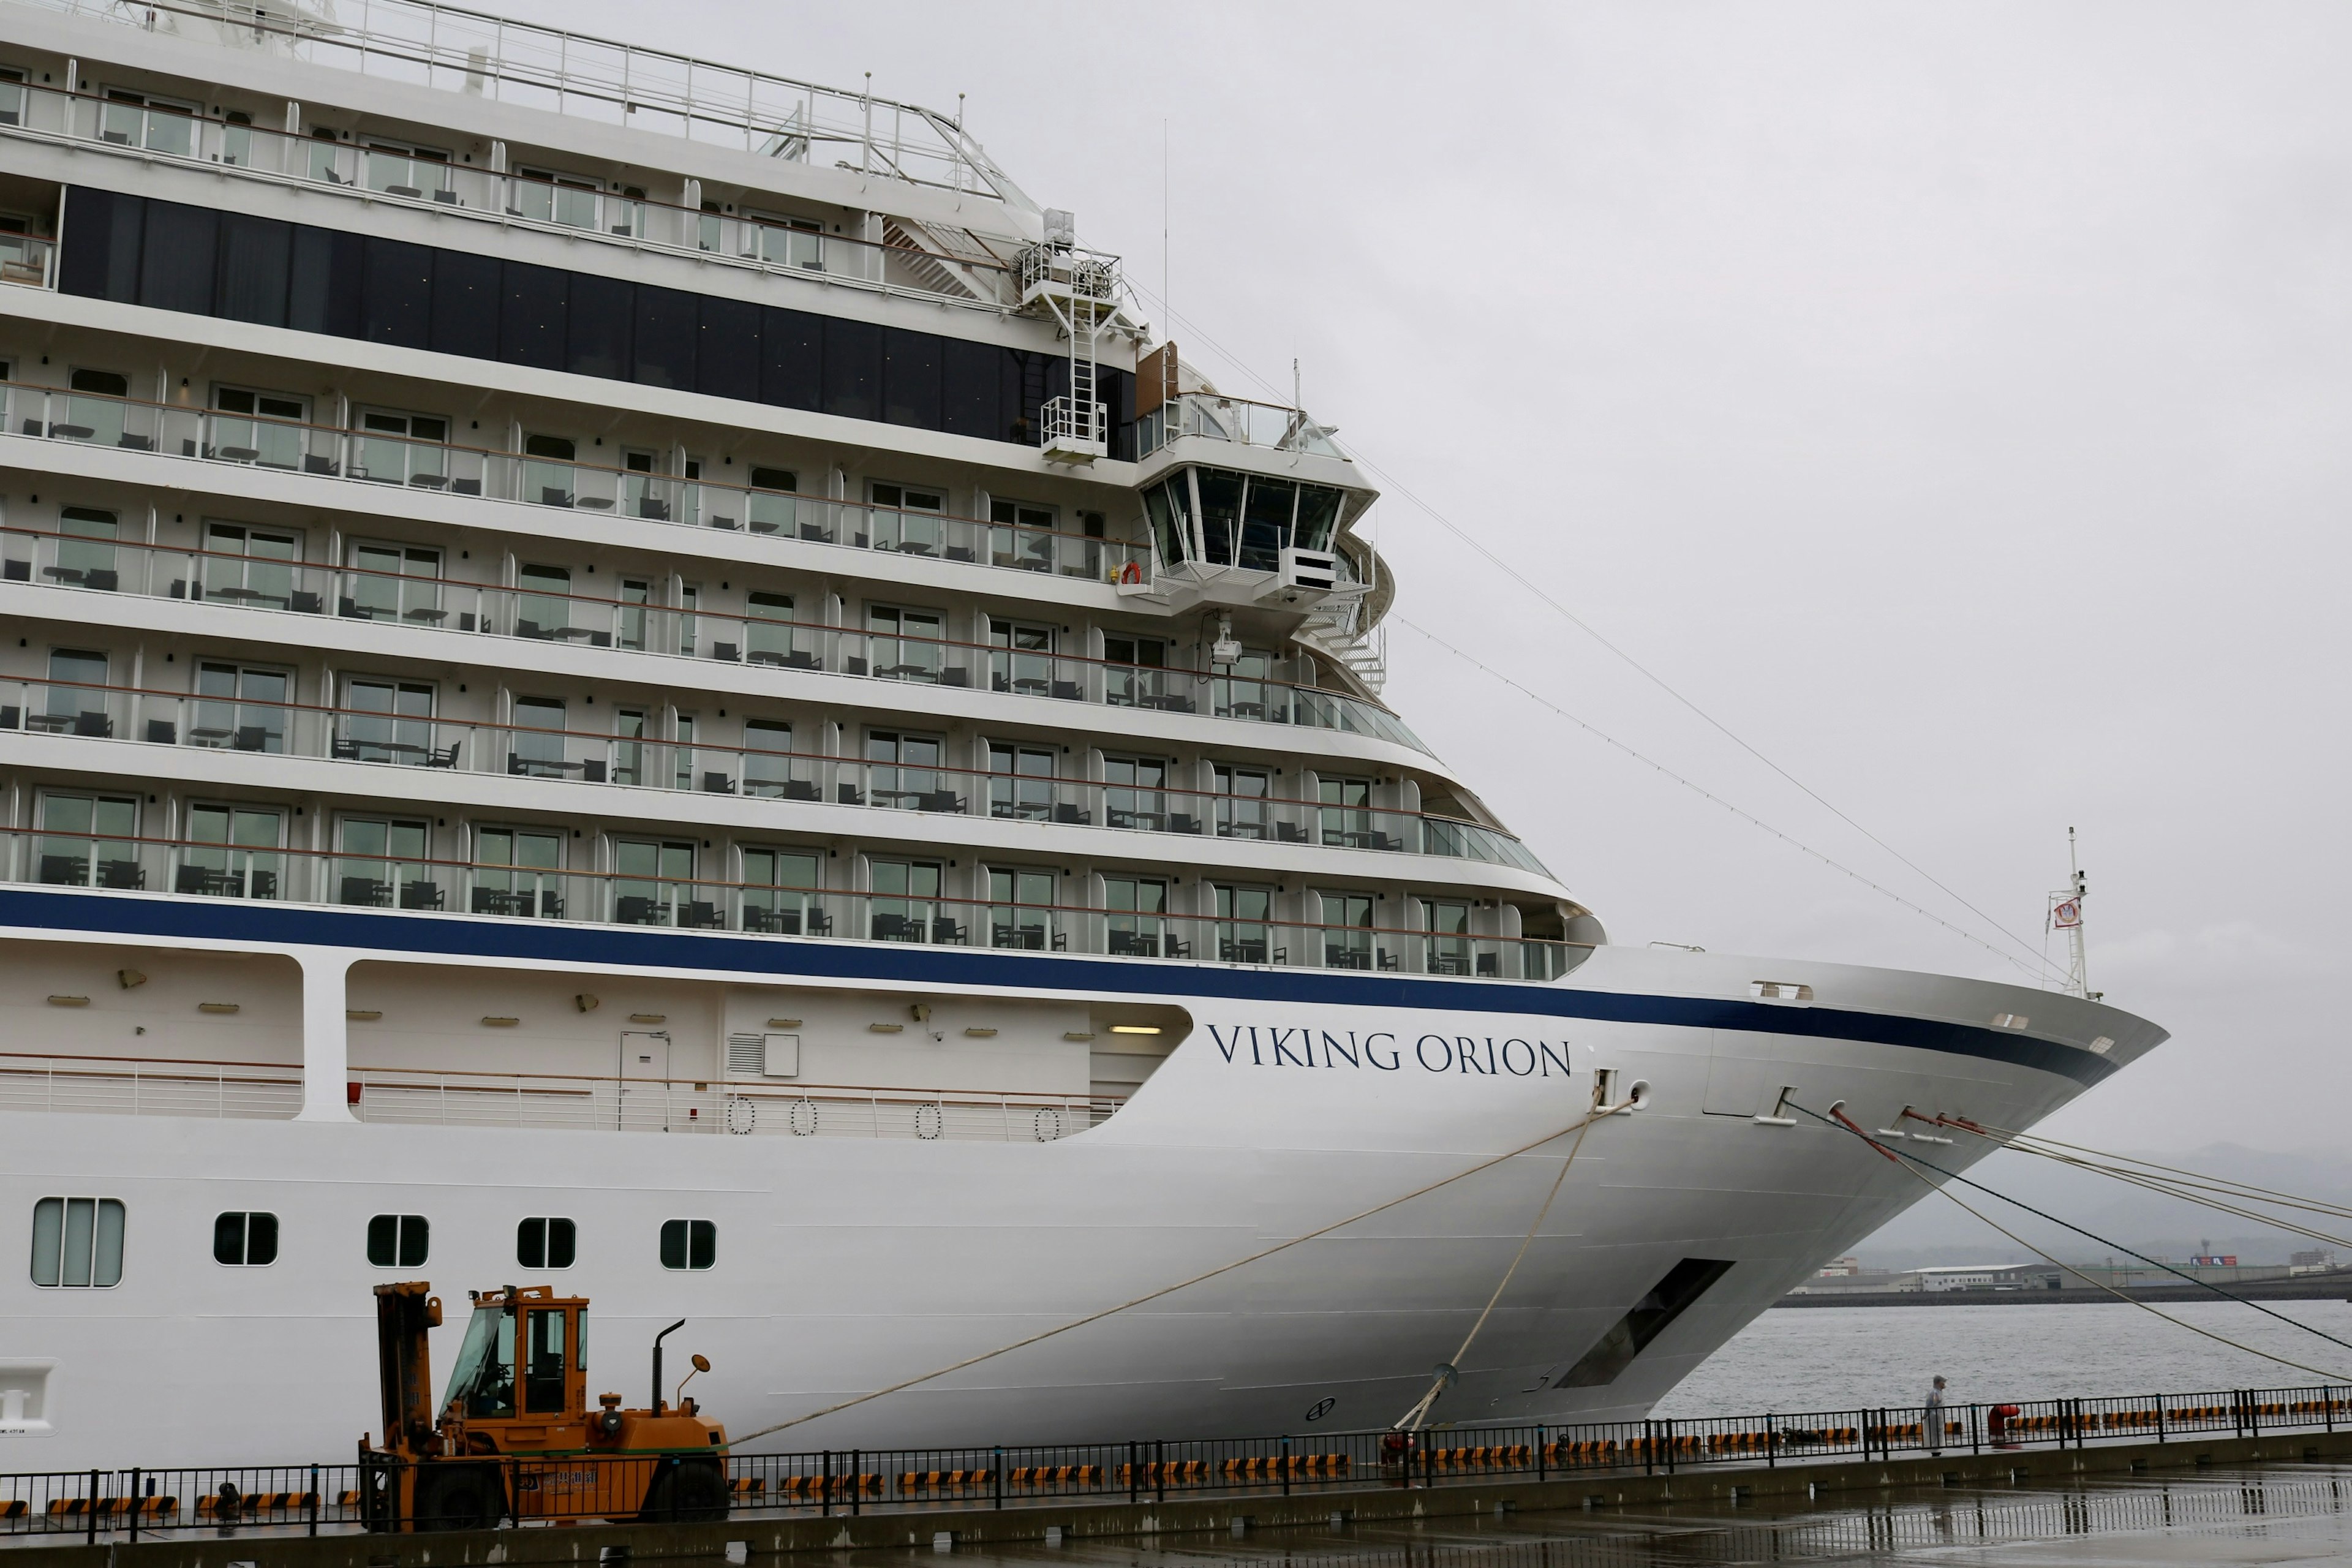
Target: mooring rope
column 1411, row 1419
column 2187, row 1187
column 1911, row 1163
column 1486, row 1164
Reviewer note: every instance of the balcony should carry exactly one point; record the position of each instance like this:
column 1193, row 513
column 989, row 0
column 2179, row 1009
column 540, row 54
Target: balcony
column 905, row 262
column 368, row 458
column 1213, row 417
column 456, row 607
column 368, row 738
column 426, row 886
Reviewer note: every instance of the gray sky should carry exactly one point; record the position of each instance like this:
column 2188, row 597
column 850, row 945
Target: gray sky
column 1950, row 399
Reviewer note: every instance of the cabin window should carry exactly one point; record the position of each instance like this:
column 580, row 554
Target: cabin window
column 78, row 1243
column 91, row 841
column 252, row 566
column 246, row 1240
column 546, row 1242
column 1242, row 797
column 399, row 1240
column 233, row 852
column 518, row 871
column 689, row 1243
column 1021, row 909
column 260, row 428
column 782, row 893
column 1021, row 785
column 903, row 773
column 1346, row 930
column 1135, row 923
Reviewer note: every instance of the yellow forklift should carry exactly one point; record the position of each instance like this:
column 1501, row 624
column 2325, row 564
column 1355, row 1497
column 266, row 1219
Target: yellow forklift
column 514, row 1439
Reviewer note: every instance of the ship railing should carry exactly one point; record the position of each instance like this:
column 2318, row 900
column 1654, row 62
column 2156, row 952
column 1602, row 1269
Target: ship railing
column 387, row 722
column 1215, row 417
column 770, row 1108
column 548, row 473
column 769, row 1105
column 85, row 551
column 88, row 840
column 158, row 1086
column 1311, row 1461
column 27, row 260
column 580, row 75
column 541, row 199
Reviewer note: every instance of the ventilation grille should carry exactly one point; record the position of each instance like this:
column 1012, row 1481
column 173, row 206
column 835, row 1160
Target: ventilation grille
column 764, row 1056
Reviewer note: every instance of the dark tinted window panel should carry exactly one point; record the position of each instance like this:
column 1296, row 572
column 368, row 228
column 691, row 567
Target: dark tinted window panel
column 727, row 356
column 531, row 311
column 101, row 249
column 1114, row 389
column 466, row 304
column 971, row 380
column 256, row 258
column 324, row 293
column 396, row 300
column 668, row 324
column 1012, row 397
column 853, row 369
column 175, row 264
column 910, row 378
column 1669, row 1298
column 596, row 338
column 1220, row 513
column 792, row 359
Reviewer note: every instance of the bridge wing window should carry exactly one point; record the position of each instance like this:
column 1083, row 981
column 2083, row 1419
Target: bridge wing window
column 1684, row 1283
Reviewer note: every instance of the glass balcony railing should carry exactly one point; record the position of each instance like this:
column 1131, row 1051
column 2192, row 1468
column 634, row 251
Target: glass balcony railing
column 559, row 205
column 384, row 735
column 385, row 459
column 198, row 867
column 258, row 581
column 1213, row 417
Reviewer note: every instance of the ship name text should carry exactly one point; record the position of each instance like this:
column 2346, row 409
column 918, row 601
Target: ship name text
column 1382, row 1051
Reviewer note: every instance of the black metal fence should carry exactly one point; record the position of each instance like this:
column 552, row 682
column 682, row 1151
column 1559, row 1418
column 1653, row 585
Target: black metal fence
column 308, row 1498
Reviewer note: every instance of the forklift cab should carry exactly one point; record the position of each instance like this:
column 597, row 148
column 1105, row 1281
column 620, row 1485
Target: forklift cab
column 521, row 1359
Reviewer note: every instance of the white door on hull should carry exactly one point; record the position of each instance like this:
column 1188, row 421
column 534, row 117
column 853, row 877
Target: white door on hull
column 644, row 1098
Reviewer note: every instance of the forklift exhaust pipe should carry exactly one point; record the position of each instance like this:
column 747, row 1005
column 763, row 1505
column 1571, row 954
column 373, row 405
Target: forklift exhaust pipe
column 657, row 1354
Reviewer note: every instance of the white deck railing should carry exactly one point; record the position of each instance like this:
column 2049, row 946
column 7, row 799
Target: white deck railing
column 132, row 1086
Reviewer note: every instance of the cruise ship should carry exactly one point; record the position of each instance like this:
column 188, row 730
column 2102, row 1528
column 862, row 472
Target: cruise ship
column 630, row 674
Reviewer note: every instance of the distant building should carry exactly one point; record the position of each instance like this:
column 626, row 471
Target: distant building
column 2318, row 1260
column 1988, row 1277
column 1840, row 1269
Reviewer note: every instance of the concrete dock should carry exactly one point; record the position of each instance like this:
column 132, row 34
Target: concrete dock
column 1313, row 1520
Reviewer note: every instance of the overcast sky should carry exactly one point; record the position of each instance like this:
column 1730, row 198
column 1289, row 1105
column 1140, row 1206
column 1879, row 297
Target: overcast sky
column 1948, row 399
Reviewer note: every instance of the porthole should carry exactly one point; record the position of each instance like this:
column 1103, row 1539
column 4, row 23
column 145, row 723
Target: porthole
column 246, row 1240
column 398, row 1240
column 689, row 1243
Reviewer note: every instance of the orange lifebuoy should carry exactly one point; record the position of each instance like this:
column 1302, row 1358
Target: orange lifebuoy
column 1131, row 573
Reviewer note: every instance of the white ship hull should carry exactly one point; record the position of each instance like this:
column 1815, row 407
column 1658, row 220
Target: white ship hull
column 850, row 1262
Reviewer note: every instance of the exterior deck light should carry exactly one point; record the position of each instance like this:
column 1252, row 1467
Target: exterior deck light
column 1134, row 1028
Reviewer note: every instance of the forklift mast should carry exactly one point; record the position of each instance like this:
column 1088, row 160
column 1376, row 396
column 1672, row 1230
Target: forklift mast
column 405, row 1367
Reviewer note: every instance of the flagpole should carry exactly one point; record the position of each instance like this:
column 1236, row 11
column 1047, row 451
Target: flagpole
column 2066, row 915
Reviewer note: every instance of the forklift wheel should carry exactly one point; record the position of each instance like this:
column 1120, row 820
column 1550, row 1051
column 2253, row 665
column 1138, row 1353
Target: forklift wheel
column 459, row 1497
column 691, row 1492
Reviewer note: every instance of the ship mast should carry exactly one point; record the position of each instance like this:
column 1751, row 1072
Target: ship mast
column 2066, row 915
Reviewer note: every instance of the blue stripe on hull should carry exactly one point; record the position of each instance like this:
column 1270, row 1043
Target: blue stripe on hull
column 784, row 959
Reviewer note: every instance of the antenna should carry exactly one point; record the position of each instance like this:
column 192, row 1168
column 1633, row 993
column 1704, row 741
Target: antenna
column 2066, row 915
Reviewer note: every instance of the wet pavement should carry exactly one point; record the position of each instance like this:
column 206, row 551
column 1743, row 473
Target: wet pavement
column 2270, row 1515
